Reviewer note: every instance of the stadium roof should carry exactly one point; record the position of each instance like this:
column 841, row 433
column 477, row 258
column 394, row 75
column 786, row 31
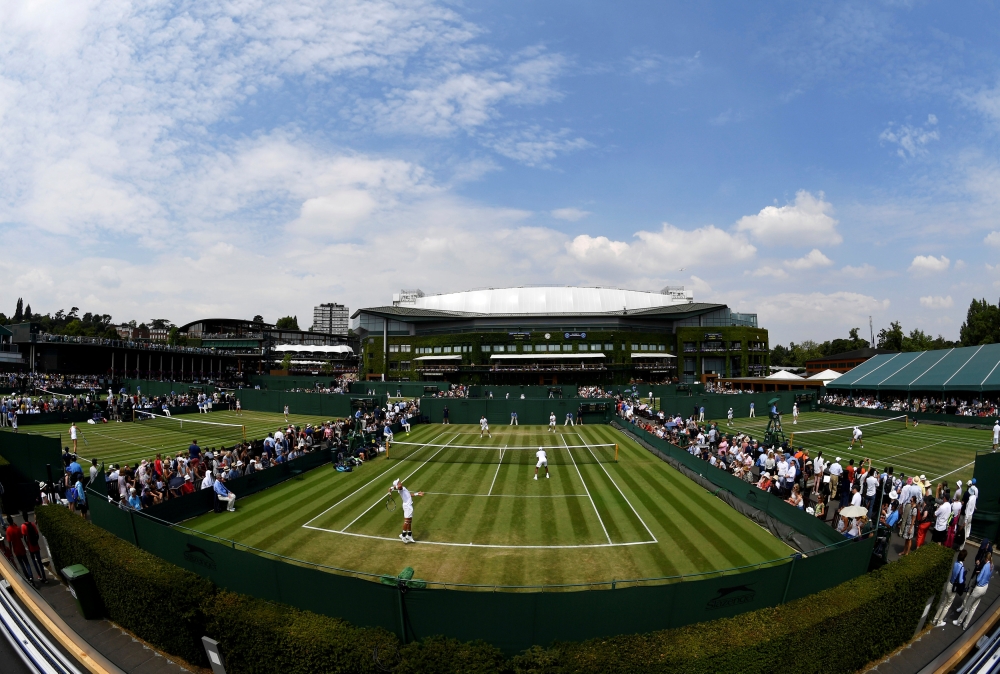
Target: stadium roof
column 544, row 300
column 970, row 368
column 412, row 313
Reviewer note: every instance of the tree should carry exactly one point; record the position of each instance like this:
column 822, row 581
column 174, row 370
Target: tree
column 891, row 339
column 288, row 323
column 27, row 313
column 982, row 324
column 258, row 319
column 19, row 311
column 286, row 362
column 175, row 338
column 159, row 323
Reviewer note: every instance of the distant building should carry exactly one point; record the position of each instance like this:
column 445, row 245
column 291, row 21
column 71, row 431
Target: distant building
column 159, row 334
column 330, row 318
column 842, row 362
column 125, row 331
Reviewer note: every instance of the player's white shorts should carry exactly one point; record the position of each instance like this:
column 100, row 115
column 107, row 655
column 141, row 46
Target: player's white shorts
column 484, row 428
column 542, row 463
column 407, row 511
column 552, row 423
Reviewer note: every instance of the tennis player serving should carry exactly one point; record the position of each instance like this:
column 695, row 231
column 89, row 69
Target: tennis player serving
column 407, row 497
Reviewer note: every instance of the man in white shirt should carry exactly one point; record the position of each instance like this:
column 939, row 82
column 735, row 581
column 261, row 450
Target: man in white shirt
column 871, row 482
column 795, row 414
column 819, row 465
column 407, row 497
column 484, row 427
column 941, row 517
column 552, row 422
column 970, row 508
column 856, row 437
column 855, row 497
column 836, row 470
column 543, row 460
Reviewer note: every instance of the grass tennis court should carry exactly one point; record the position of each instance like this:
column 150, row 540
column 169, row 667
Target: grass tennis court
column 486, row 521
column 129, row 442
column 939, row 452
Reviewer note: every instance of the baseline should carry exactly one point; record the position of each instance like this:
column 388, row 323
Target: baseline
column 485, row 545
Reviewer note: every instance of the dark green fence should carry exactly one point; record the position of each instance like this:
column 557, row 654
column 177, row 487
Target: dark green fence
column 156, row 387
column 984, row 423
column 497, row 411
column 30, row 454
column 330, row 405
column 511, row 620
column 717, row 405
column 279, row 383
column 986, row 518
column 409, row 389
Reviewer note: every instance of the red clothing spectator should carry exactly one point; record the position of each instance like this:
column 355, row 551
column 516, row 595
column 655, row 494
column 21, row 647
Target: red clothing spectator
column 15, row 540
column 29, row 532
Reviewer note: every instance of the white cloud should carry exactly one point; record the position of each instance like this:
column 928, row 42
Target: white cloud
column 535, row 146
column 911, row 140
column 655, row 249
column 807, row 221
column 814, row 258
column 936, row 302
column 775, row 272
column 925, row 264
column 569, row 214
column 865, row 271
column 819, row 308
column 992, row 239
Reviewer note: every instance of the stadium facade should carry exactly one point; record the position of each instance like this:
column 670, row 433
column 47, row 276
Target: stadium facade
column 551, row 335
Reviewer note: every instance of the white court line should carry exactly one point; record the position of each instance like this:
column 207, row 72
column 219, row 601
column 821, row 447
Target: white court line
column 356, row 491
column 583, row 440
column 563, row 438
column 500, row 463
column 485, row 545
column 915, row 450
column 954, row 471
column 381, row 499
column 445, row 493
column 127, row 442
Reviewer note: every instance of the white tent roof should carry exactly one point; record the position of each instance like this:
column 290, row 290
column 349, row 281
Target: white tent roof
column 548, row 300
column 825, row 375
column 314, row 348
column 785, row 376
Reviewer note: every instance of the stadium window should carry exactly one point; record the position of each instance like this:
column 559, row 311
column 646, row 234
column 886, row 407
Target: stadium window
column 485, row 348
column 609, row 347
column 567, row 347
column 437, row 349
column 527, row 348
column 498, row 348
column 405, row 365
column 644, row 347
column 394, row 348
column 661, row 347
column 393, row 365
column 635, row 347
column 404, row 348
column 447, row 349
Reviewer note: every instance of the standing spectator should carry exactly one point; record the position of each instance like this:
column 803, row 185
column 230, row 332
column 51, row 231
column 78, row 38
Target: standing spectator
column 16, row 542
column 970, row 508
column 924, row 521
column 31, row 536
column 972, row 601
column 954, row 588
column 941, row 517
column 908, row 524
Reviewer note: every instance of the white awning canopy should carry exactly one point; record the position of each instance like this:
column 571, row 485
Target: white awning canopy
column 314, row 348
column 784, row 375
column 438, row 358
column 825, row 375
column 546, row 355
column 646, row 354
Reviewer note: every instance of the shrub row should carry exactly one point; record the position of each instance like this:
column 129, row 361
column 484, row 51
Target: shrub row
column 173, row 609
column 837, row 630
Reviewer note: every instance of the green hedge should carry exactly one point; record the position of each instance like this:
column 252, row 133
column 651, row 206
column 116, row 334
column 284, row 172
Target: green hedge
column 837, row 630
column 172, row 609
column 159, row 602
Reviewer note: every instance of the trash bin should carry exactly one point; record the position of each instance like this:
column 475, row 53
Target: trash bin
column 84, row 588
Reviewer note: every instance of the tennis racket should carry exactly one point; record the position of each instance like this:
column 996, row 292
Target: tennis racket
column 390, row 502
column 84, row 439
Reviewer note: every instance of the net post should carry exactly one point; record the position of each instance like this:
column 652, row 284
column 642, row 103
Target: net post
column 906, row 420
column 791, row 439
column 616, row 452
column 387, row 443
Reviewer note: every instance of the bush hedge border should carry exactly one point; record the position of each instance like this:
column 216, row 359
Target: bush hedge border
column 172, row 609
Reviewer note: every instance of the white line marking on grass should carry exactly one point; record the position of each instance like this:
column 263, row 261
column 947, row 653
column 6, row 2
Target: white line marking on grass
column 563, row 438
column 499, row 464
column 382, row 499
column 127, row 442
column 651, row 535
column 445, row 493
column 484, row 545
column 954, row 471
column 919, row 449
column 355, row 491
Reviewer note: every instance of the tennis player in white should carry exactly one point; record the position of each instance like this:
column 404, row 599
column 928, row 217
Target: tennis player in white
column 543, row 460
column 239, row 408
column 552, row 422
column 286, row 414
column 729, row 417
column 795, row 414
column 857, row 438
column 72, row 435
column 996, row 435
column 404, row 493
column 484, row 427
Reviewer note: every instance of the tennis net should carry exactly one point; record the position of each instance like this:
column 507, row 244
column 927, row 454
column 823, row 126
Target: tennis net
column 558, row 455
column 831, row 436
column 195, row 429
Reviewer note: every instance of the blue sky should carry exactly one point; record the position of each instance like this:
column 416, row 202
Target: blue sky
column 815, row 163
